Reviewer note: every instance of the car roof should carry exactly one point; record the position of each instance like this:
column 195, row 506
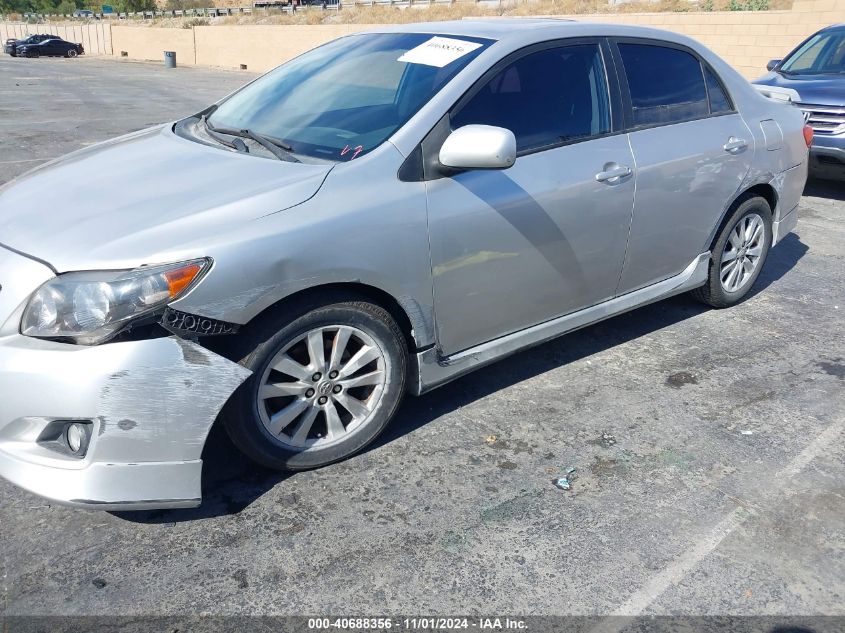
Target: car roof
column 523, row 30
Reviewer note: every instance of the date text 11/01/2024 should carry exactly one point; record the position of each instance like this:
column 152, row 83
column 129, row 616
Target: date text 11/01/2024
column 412, row 624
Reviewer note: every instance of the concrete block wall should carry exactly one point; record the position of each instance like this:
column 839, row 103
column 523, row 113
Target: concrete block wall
column 746, row 39
column 261, row 48
column 258, row 47
column 140, row 43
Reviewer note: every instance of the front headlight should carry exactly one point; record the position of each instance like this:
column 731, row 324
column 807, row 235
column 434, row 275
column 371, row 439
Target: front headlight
column 89, row 307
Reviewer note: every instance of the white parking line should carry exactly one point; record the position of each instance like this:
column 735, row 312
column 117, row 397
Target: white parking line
column 675, row 573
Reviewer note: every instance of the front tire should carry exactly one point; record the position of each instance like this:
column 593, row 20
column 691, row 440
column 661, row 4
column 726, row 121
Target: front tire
column 739, row 254
column 32, row 54
column 323, row 387
column 72, row 53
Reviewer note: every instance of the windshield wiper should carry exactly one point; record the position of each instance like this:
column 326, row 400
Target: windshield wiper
column 236, row 143
column 279, row 149
column 809, row 73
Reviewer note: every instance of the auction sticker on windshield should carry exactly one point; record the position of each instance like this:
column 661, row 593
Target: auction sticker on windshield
column 438, row 51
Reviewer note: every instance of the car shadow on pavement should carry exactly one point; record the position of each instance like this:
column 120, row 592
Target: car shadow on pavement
column 831, row 189
column 416, row 412
column 230, row 482
column 781, row 259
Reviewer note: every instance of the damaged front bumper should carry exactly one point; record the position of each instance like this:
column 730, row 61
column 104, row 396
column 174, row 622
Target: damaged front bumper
column 150, row 405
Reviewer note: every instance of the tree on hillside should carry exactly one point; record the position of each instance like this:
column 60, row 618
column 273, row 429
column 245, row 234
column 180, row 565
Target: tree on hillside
column 176, row 5
column 63, row 7
column 16, row 6
column 134, row 6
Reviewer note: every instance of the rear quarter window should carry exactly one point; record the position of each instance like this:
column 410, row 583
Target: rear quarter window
column 719, row 101
column 666, row 84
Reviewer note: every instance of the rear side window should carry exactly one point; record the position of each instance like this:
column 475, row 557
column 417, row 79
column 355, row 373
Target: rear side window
column 666, row 84
column 719, row 101
column 546, row 98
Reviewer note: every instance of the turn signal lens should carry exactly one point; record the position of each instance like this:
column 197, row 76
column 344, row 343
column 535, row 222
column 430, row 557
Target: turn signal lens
column 181, row 278
column 808, row 135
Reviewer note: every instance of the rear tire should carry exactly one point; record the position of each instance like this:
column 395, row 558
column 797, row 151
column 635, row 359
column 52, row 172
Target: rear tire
column 306, row 404
column 739, row 253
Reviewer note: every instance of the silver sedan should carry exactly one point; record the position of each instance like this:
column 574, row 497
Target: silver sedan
column 376, row 217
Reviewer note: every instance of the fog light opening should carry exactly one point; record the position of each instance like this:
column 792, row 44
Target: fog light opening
column 76, row 437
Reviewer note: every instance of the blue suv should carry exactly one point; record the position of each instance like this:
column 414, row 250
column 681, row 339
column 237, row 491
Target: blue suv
column 813, row 78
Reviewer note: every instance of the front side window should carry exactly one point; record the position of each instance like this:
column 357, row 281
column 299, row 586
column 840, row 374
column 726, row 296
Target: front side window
column 666, row 84
column 822, row 54
column 345, row 98
column 545, row 98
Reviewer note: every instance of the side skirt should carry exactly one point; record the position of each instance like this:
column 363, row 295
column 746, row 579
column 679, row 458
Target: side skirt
column 435, row 370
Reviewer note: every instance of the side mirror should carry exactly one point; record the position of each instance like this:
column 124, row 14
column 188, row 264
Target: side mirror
column 479, row 147
column 772, row 64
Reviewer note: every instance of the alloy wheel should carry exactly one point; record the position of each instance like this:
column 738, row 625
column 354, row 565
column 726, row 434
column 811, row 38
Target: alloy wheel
column 742, row 252
column 322, row 387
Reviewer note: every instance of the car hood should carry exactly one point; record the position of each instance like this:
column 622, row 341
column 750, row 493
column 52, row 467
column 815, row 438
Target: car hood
column 146, row 197
column 816, row 89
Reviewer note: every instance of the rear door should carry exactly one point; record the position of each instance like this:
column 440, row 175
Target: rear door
column 692, row 151
column 516, row 247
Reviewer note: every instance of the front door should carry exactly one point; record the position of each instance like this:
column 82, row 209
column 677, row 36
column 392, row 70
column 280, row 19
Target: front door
column 546, row 237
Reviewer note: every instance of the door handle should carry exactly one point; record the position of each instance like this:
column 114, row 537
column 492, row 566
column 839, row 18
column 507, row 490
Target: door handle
column 735, row 144
column 613, row 173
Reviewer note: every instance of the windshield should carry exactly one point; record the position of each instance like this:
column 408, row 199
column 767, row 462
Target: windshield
column 345, row 98
column 822, row 54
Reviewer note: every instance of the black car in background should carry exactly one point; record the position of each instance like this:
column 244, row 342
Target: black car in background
column 12, row 45
column 54, row 47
